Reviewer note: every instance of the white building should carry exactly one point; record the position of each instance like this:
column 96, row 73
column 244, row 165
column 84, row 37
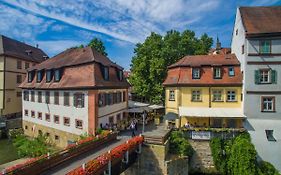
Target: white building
column 256, row 41
column 73, row 93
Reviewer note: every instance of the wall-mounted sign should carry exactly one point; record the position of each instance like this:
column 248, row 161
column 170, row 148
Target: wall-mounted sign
column 201, row 135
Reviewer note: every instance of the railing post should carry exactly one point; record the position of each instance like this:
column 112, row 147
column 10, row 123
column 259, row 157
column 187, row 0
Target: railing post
column 108, row 171
column 83, row 166
column 139, row 149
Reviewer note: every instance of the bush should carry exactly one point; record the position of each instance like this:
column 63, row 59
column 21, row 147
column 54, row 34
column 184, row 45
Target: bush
column 179, row 144
column 267, row 168
column 31, row 147
column 13, row 133
column 219, row 157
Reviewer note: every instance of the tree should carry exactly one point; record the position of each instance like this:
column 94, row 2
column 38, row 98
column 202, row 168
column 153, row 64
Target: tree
column 98, row 45
column 156, row 53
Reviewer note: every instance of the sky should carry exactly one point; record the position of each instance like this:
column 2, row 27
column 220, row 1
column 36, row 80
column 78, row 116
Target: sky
column 56, row 25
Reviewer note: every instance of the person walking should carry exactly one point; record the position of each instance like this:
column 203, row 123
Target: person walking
column 132, row 127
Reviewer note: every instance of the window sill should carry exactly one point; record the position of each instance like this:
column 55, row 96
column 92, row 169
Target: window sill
column 66, row 124
column 171, row 100
column 268, row 111
column 79, row 127
column 231, row 101
column 196, row 100
column 265, row 83
column 56, row 122
column 218, row 101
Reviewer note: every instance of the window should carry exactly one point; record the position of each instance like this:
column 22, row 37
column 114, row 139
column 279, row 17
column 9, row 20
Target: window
column 268, row 104
column 196, row 95
column 47, row 117
column 66, row 121
column 118, row 118
column 25, row 112
column 231, row 95
column 265, row 76
column 119, row 97
column 110, row 120
column 33, row 114
column 30, row 76
column 19, row 79
column 231, row 71
column 236, row 32
column 49, row 75
column 26, row 127
column 26, row 65
column 40, row 115
column 269, row 135
column 26, row 95
column 217, row 72
column 57, row 138
column 195, row 73
column 66, row 98
column 39, row 97
column 79, row 124
column 47, row 97
column 124, row 96
column 243, row 49
column 19, row 64
column 57, row 75
column 171, row 95
column 56, row 98
column 217, row 95
column 105, row 72
column 18, row 94
column 120, row 75
column 32, row 96
column 39, row 76
column 265, row 47
column 79, row 100
column 101, row 100
column 56, row 119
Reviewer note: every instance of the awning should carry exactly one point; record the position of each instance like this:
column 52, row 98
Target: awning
column 171, row 116
column 136, row 110
column 135, row 104
column 211, row 112
column 154, row 107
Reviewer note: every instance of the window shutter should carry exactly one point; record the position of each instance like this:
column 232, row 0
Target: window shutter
column 273, row 76
column 257, row 77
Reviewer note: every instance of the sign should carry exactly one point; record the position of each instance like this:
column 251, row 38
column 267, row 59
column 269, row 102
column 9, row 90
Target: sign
column 201, row 135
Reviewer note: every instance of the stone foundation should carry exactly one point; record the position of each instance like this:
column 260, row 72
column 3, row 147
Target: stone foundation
column 61, row 142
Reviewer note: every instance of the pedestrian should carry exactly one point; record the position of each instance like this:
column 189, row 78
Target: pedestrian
column 136, row 124
column 132, row 127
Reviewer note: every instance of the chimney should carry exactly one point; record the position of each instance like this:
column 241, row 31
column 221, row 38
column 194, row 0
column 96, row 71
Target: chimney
column 218, row 44
column 37, row 45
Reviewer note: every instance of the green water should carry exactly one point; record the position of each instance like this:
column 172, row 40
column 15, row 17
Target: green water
column 8, row 152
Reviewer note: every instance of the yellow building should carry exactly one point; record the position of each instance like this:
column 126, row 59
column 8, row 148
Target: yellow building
column 15, row 58
column 205, row 91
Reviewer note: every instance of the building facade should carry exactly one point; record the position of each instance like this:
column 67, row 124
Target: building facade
column 256, row 41
column 73, row 93
column 205, row 91
column 15, row 58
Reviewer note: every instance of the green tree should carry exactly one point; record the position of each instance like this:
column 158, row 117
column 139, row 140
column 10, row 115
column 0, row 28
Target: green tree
column 98, row 45
column 156, row 53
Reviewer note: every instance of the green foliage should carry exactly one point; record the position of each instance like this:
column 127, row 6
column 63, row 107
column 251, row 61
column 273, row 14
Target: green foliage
column 99, row 131
column 267, row 168
column 13, row 133
column 31, row 147
column 179, row 144
column 149, row 64
column 240, row 157
column 98, row 45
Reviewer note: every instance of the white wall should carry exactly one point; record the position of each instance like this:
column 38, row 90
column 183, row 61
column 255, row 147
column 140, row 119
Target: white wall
column 61, row 110
column 254, row 46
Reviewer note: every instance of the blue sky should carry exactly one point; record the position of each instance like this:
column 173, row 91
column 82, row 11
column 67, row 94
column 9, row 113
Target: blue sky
column 59, row 24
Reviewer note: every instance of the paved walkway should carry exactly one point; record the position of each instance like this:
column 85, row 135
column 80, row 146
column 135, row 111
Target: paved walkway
column 72, row 164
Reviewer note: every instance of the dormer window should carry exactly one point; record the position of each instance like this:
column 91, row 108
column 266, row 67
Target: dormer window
column 30, row 76
column 106, row 73
column 39, row 76
column 120, row 75
column 217, row 73
column 49, row 75
column 195, row 73
column 231, row 71
column 58, row 75
column 28, row 52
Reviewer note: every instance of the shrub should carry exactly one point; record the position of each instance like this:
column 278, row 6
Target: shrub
column 179, row 144
column 267, row 168
column 219, row 157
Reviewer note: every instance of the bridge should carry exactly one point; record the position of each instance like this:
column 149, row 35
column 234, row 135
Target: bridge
column 116, row 152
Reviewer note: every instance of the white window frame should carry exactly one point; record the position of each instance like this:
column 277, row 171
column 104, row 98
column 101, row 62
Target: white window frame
column 195, row 73
column 265, row 73
column 217, row 72
column 217, row 94
column 171, row 95
column 196, row 95
column 231, row 95
column 268, row 104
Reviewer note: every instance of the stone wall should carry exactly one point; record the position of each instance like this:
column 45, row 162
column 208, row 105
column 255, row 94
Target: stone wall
column 155, row 160
column 202, row 160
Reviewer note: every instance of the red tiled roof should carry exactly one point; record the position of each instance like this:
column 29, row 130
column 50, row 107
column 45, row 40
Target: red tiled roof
column 224, row 50
column 18, row 49
column 261, row 20
column 81, row 69
column 180, row 73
